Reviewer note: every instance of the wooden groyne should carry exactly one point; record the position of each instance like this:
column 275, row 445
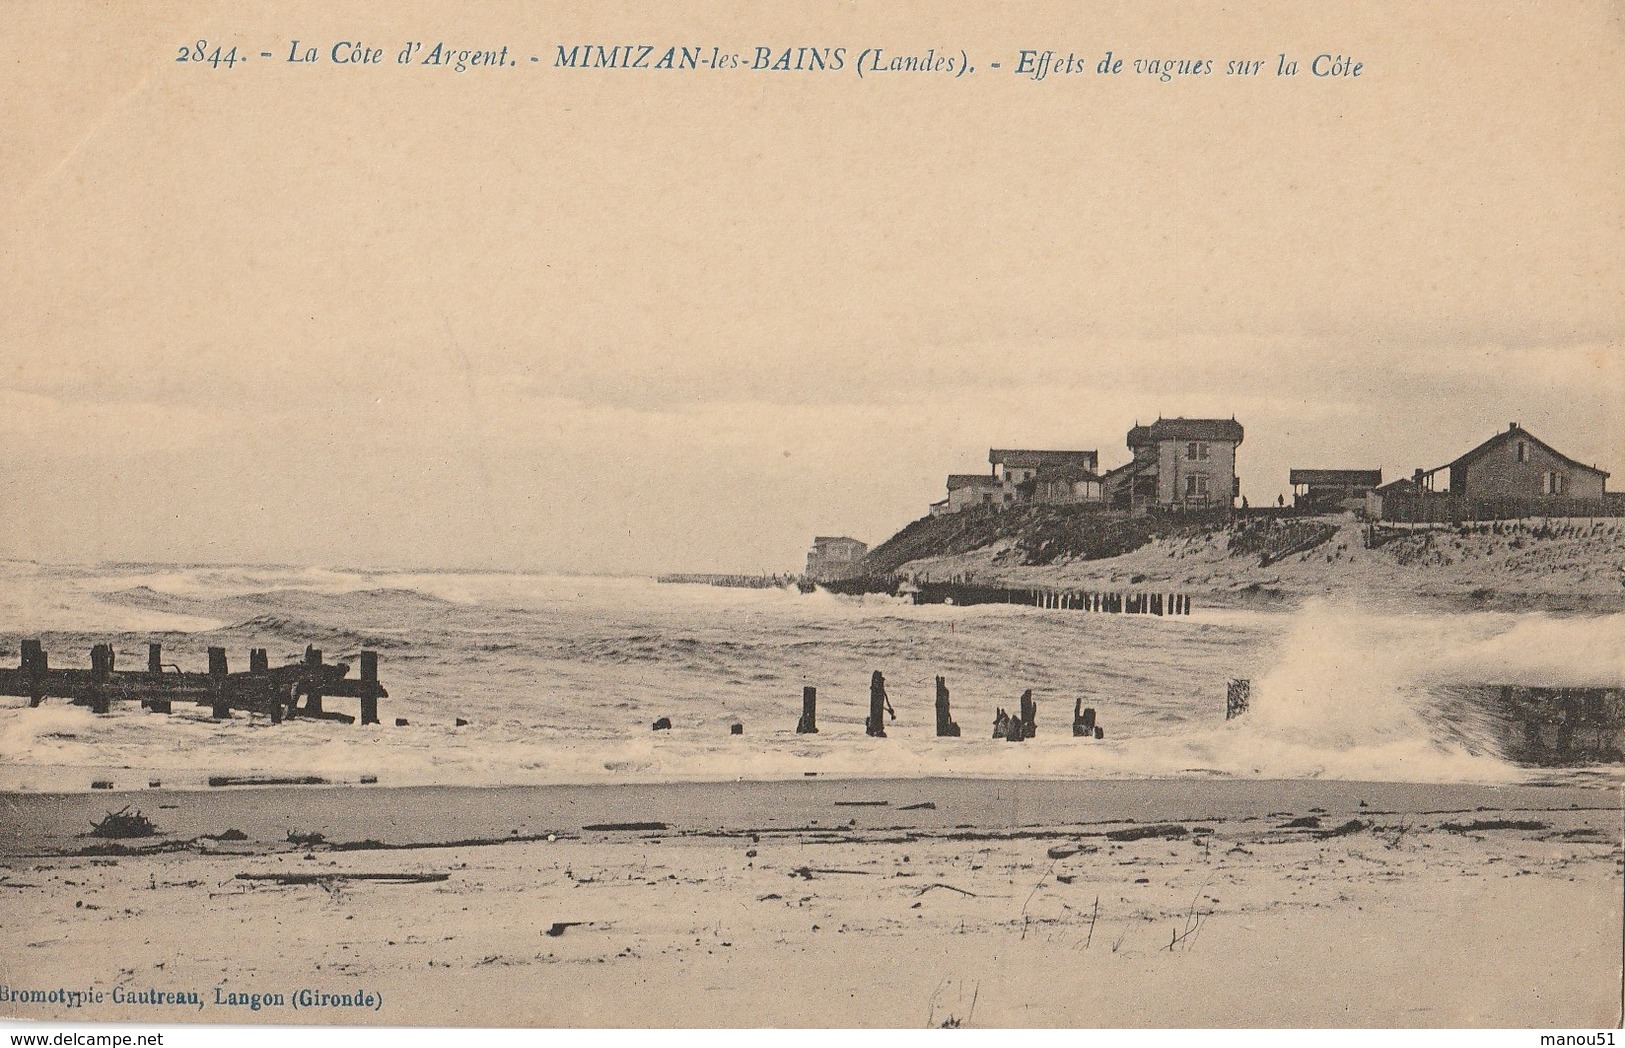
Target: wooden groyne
column 273, row 692
column 1133, row 602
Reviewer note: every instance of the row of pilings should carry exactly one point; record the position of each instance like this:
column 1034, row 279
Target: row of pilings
column 1134, row 602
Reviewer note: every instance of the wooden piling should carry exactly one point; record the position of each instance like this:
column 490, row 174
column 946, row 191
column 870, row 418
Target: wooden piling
column 101, row 668
column 259, row 661
column 875, row 726
column 217, row 684
column 1029, row 714
column 946, row 728
column 1083, row 720
column 313, row 698
column 1238, row 696
column 808, row 724
column 369, row 701
column 157, row 702
column 36, row 664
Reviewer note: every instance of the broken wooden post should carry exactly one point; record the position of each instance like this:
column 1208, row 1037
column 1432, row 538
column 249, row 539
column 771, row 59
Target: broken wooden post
column 33, row 665
column 808, row 724
column 736, row 729
column 946, row 728
column 879, row 705
column 217, row 684
column 1083, row 720
column 1029, row 714
column 157, row 702
column 369, row 700
column 258, row 661
column 313, row 697
column 101, row 668
column 1237, row 697
column 1001, row 723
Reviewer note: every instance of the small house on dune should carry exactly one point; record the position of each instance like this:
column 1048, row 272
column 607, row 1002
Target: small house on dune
column 1512, row 473
column 1328, row 490
column 1018, row 465
column 834, row 557
column 1065, row 486
column 1517, row 464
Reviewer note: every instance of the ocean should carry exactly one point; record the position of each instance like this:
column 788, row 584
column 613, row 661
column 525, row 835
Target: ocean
column 560, row 679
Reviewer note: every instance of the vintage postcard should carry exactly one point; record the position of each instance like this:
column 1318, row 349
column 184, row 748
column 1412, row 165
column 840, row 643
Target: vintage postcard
column 823, row 514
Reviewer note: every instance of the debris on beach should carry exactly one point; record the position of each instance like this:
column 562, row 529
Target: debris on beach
column 663, row 724
column 922, row 806
column 1140, row 833
column 320, row 878
column 558, row 927
column 232, row 834
column 102, row 784
column 1479, row 825
column 267, row 780
column 604, row 827
column 949, row 887
column 305, row 839
column 807, row 873
column 124, row 823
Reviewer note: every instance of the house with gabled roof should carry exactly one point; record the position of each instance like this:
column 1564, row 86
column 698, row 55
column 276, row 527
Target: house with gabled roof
column 1517, row 464
column 1018, row 465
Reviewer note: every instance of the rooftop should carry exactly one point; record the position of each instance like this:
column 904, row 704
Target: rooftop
column 1354, row 477
column 1516, row 431
column 1225, row 430
column 1026, row 458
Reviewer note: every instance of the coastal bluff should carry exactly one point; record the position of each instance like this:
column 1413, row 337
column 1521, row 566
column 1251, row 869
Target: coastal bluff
column 1559, row 564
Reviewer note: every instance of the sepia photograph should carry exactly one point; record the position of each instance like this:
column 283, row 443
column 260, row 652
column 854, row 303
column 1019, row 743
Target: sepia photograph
column 836, row 514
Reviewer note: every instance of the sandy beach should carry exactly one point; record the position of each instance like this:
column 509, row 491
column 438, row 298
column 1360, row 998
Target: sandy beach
column 824, row 903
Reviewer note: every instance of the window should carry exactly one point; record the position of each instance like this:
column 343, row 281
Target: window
column 1523, row 451
column 1195, row 485
column 1551, row 483
column 1196, row 452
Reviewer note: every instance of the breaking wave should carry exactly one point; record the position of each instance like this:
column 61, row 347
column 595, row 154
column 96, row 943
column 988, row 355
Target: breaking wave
column 560, row 679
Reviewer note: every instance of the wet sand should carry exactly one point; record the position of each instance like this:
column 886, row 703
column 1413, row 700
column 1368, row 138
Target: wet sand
column 829, row 903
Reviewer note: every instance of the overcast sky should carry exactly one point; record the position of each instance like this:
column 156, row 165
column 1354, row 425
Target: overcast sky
column 623, row 321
